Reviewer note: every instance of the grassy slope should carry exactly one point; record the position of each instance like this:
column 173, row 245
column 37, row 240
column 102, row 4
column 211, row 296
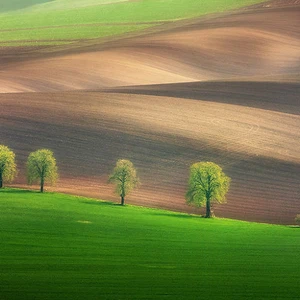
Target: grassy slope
column 31, row 5
column 11, row 5
column 69, row 33
column 70, row 4
column 132, row 12
column 48, row 252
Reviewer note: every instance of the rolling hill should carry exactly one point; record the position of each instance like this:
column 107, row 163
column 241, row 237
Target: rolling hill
column 222, row 88
column 67, row 21
column 253, row 43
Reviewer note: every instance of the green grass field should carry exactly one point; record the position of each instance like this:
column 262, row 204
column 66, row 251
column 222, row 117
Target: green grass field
column 69, row 33
column 57, row 246
column 36, row 14
column 12, row 5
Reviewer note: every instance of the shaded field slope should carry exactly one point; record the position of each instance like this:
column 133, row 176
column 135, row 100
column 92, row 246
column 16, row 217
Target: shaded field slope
column 222, row 88
column 162, row 136
column 62, row 247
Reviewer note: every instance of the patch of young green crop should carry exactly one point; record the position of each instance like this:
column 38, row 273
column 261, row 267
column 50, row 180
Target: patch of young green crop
column 57, row 246
column 129, row 11
column 68, row 33
column 70, row 4
column 40, row 5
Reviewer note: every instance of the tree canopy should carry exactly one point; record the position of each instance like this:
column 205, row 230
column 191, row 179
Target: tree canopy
column 8, row 167
column 207, row 184
column 124, row 177
column 41, row 166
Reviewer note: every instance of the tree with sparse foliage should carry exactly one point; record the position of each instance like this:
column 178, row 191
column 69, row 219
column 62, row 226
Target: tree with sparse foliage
column 41, row 167
column 124, row 177
column 8, row 168
column 207, row 185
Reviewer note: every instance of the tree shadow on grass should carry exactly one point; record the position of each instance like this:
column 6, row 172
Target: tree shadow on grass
column 99, row 203
column 176, row 215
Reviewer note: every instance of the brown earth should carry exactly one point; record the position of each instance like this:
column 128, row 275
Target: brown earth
column 257, row 148
column 252, row 43
column 230, row 95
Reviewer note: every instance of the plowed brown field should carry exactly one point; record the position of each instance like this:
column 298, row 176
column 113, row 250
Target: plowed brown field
column 224, row 89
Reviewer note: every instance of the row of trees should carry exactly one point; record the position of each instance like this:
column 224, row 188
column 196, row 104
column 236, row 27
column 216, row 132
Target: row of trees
column 207, row 183
column 41, row 166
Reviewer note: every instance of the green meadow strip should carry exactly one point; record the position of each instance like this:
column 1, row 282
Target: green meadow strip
column 38, row 5
column 69, row 33
column 128, row 11
column 56, row 246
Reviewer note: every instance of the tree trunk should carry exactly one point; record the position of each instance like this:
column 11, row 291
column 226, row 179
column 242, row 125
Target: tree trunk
column 1, row 180
column 122, row 200
column 209, row 211
column 42, row 185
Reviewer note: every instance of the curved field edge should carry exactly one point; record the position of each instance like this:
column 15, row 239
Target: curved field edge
column 247, row 45
column 121, row 12
column 62, row 246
